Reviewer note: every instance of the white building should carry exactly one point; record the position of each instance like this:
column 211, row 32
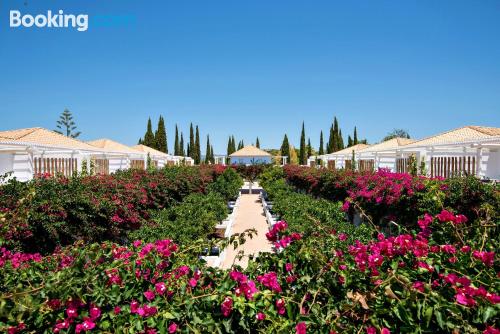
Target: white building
column 472, row 150
column 125, row 158
column 25, row 153
column 250, row 155
column 339, row 159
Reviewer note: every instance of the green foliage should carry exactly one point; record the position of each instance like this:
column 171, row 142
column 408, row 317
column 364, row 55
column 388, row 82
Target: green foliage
column 227, row 185
column 161, row 136
column 285, row 148
column 149, row 137
column 302, row 148
column 193, row 219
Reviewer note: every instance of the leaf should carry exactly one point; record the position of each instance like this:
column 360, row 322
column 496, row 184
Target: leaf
column 488, row 313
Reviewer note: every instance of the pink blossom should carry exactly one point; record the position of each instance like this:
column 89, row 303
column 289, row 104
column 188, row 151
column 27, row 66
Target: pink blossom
column 150, row 295
column 301, row 328
column 288, row 267
column 193, row 282
column 71, row 312
column 260, row 316
column 117, row 310
column 94, row 312
column 160, row 288
column 172, row 328
column 270, row 280
column 419, row 286
column 227, row 306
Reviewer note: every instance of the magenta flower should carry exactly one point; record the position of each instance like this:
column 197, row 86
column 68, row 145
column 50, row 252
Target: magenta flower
column 301, row 328
column 172, row 328
column 260, row 316
column 150, row 295
column 227, row 306
column 94, row 312
column 71, row 312
column 193, row 282
column 160, row 288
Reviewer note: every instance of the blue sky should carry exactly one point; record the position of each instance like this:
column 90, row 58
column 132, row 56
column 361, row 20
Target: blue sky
column 255, row 68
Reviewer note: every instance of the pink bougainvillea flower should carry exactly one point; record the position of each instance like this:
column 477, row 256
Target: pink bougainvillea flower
column 71, row 312
column 270, row 280
column 227, row 306
column 260, row 316
column 280, row 306
column 134, row 306
column 385, row 331
column 342, row 236
column 193, row 282
column 301, row 328
column 419, row 286
column 371, row 330
column 288, row 267
column 172, row 328
column 94, row 312
column 150, row 295
column 486, row 257
column 117, row 310
column 160, row 288
column 491, row 330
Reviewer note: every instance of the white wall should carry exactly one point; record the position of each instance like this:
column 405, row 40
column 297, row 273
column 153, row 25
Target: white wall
column 491, row 165
column 6, row 163
column 250, row 160
column 119, row 163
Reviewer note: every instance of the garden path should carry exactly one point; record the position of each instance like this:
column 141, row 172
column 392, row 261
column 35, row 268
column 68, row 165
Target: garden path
column 249, row 215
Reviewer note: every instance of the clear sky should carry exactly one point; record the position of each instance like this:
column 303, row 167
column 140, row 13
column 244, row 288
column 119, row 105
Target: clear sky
column 254, row 68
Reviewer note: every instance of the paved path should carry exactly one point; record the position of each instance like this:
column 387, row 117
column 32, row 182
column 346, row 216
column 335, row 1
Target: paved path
column 249, row 215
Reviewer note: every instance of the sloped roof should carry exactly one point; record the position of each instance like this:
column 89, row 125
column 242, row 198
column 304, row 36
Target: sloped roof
column 390, row 144
column 147, row 149
column 111, row 145
column 463, row 134
column 250, row 151
column 349, row 150
column 41, row 136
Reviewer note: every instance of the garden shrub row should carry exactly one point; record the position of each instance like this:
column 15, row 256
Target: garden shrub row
column 42, row 214
column 384, row 196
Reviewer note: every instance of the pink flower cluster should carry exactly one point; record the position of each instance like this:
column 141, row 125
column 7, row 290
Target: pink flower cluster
column 144, row 311
column 17, row 259
column 281, row 241
column 447, row 216
column 245, row 286
column 227, row 306
column 270, row 280
column 466, row 294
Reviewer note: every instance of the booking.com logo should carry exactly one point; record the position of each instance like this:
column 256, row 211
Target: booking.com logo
column 59, row 19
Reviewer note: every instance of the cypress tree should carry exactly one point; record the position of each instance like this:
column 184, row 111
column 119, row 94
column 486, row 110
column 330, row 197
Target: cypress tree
column 176, row 143
column 212, row 155
column 233, row 144
column 285, row 147
column 309, row 148
column 341, row 140
column 257, row 143
column 321, row 151
column 197, row 150
column 161, row 136
column 336, row 145
column 229, row 146
column 149, row 137
column 192, row 146
column 140, row 141
column 349, row 141
column 207, row 154
column 355, row 139
column 302, row 148
column 181, row 146
column 330, row 146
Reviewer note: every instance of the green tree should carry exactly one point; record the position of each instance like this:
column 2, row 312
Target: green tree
column 140, row 141
column 181, row 146
column 192, row 146
column 257, row 143
column 321, row 151
column 161, row 136
column 149, row 137
column 197, row 158
column 66, row 126
column 309, row 148
column 177, row 151
column 207, row 153
column 233, row 144
column 355, row 138
column 341, row 140
column 349, row 141
column 285, row 147
column 302, row 148
column 336, row 146
column 330, row 147
column 397, row 133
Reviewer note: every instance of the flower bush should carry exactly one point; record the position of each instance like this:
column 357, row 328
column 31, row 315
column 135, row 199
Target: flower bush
column 45, row 213
column 441, row 275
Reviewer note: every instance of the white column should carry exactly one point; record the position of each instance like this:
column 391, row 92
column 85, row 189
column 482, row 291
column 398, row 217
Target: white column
column 479, row 156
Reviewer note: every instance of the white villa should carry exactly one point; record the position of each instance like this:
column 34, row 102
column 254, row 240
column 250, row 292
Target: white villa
column 250, row 155
column 29, row 152
column 473, row 150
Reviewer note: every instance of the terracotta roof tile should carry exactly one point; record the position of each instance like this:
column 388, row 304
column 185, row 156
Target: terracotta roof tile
column 250, row 151
column 113, row 146
column 463, row 134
